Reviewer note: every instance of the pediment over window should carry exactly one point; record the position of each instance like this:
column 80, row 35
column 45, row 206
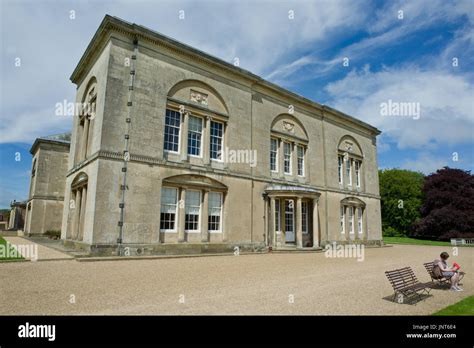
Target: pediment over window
column 79, row 180
column 353, row 201
column 198, row 181
column 288, row 125
column 350, row 145
column 198, row 93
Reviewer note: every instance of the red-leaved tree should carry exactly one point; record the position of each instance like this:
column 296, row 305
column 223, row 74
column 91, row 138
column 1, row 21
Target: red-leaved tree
column 448, row 206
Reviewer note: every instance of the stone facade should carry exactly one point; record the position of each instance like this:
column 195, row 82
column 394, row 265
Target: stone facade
column 17, row 215
column 174, row 150
column 44, row 206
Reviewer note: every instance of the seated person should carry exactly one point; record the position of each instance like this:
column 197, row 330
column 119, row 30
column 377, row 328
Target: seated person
column 441, row 269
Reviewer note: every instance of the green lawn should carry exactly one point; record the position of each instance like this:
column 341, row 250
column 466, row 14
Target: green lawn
column 463, row 307
column 3, row 253
column 406, row 240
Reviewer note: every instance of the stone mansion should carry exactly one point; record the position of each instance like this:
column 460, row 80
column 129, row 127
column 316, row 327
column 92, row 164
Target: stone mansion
column 173, row 150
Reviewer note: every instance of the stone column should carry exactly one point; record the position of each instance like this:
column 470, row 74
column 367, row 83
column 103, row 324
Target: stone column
column 271, row 223
column 299, row 230
column 77, row 211
column 83, row 213
column 316, row 223
column 294, row 160
column 184, row 137
column 181, row 214
column 281, row 165
column 205, row 217
column 85, row 138
column 206, row 141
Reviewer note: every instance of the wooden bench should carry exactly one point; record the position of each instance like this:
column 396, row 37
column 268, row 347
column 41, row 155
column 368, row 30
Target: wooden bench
column 440, row 280
column 405, row 284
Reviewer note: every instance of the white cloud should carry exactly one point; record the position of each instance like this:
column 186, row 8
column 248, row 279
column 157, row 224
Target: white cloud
column 445, row 99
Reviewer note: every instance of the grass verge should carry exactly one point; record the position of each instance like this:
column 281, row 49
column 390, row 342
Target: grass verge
column 463, row 307
column 406, row 240
column 6, row 251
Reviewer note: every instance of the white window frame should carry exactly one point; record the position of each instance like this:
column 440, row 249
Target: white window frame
column 176, row 218
column 290, row 160
column 198, row 230
column 351, row 220
column 192, row 131
column 357, row 167
column 340, row 169
column 220, row 213
column 298, row 158
column 221, row 138
column 360, row 222
column 179, row 132
column 276, row 155
column 349, row 171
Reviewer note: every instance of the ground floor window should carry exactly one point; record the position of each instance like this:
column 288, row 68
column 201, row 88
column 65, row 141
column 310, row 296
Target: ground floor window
column 192, row 210
column 168, row 209
column 215, row 211
column 359, row 221
column 341, row 219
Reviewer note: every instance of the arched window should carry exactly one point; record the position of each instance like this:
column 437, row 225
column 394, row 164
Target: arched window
column 288, row 146
column 192, row 204
column 195, row 122
column 77, row 206
column 349, row 163
column 352, row 212
column 86, row 116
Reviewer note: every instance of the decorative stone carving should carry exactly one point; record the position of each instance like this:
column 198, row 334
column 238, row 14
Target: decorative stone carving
column 289, row 127
column 198, row 97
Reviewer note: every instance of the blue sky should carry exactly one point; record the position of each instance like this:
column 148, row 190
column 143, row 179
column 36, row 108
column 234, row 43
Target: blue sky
column 301, row 45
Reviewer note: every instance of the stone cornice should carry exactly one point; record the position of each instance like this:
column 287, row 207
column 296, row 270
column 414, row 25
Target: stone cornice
column 205, row 170
column 133, row 31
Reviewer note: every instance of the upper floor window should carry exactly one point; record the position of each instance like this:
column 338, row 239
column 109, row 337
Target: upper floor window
column 194, row 135
column 357, row 172
column 273, row 155
column 340, row 165
column 287, row 158
column 172, row 126
column 217, row 135
column 300, row 156
column 349, row 171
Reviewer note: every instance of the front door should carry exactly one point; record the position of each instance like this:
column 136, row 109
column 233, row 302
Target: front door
column 289, row 221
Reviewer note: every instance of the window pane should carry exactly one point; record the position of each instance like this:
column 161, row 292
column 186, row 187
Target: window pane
column 192, row 210
column 172, row 124
column 273, row 154
column 194, row 135
column 300, row 154
column 215, row 208
column 287, row 157
column 217, row 133
column 168, row 208
column 340, row 162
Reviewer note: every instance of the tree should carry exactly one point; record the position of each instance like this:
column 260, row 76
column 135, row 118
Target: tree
column 401, row 195
column 448, row 206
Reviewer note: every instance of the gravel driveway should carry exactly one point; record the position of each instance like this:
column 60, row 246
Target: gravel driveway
column 298, row 283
